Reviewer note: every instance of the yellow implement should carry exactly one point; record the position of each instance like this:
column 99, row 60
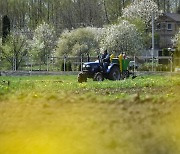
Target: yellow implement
column 111, row 57
column 120, row 57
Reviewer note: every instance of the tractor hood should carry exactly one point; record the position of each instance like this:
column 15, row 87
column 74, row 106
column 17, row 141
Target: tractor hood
column 91, row 66
column 92, row 63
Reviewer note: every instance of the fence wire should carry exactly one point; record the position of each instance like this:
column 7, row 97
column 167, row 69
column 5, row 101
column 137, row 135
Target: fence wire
column 70, row 63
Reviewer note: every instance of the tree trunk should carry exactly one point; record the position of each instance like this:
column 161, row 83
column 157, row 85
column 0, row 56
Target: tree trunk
column 105, row 10
column 48, row 11
column 164, row 7
column 123, row 4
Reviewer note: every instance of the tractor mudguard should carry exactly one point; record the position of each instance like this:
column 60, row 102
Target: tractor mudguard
column 111, row 66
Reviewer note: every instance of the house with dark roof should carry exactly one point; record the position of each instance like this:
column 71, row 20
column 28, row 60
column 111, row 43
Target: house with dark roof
column 167, row 27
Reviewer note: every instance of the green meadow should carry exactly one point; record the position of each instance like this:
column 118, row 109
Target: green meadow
column 58, row 115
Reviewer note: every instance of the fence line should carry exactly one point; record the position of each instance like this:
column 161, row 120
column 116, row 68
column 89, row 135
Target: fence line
column 75, row 63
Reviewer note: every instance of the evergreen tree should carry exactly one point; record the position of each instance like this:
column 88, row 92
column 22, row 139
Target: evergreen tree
column 5, row 28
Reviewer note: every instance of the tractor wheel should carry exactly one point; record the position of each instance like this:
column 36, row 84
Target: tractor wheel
column 82, row 77
column 98, row 77
column 115, row 73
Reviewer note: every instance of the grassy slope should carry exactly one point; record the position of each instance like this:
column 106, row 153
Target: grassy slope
column 50, row 115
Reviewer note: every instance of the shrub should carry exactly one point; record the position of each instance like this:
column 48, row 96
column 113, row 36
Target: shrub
column 165, row 52
column 62, row 66
column 156, row 67
column 69, row 66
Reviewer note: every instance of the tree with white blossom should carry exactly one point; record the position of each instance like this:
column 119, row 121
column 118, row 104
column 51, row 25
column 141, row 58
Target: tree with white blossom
column 176, row 43
column 176, row 40
column 43, row 43
column 78, row 41
column 15, row 49
column 123, row 37
column 142, row 9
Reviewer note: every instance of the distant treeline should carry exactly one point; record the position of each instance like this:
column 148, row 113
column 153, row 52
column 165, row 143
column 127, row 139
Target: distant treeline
column 69, row 14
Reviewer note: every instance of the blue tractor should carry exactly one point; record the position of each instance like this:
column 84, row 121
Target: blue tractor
column 98, row 71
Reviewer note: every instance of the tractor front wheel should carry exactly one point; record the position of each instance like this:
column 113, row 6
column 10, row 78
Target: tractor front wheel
column 98, row 77
column 82, row 77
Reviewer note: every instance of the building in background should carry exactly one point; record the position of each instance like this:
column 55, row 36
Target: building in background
column 167, row 27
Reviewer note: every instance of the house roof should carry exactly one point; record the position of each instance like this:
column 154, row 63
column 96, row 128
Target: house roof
column 173, row 16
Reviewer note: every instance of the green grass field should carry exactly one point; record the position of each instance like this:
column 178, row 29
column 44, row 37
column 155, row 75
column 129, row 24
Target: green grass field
column 57, row 115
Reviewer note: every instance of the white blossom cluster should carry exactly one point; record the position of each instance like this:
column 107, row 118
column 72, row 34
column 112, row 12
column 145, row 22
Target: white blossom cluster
column 123, row 37
column 176, row 40
column 78, row 41
column 15, row 48
column 142, row 9
column 16, row 41
column 43, row 40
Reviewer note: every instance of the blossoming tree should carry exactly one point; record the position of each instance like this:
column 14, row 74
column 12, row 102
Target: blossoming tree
column 123, row 37
column 14, row 49
column 176, row 43
column 43, row 43
column 142, row 9
column 176, row 40
column 78, row 41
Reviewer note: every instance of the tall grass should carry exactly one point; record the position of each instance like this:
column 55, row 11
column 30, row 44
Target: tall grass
column 55, row 114
column 69, row 83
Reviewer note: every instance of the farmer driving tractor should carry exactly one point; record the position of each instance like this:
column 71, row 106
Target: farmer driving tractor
column 105, row 59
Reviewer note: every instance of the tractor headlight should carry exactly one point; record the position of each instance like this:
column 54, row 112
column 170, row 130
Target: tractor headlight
column 87, row 66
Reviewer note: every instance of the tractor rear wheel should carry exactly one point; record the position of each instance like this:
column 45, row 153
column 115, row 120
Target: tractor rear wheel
column 98, row 77
column 82, row 77
column 115, row 73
